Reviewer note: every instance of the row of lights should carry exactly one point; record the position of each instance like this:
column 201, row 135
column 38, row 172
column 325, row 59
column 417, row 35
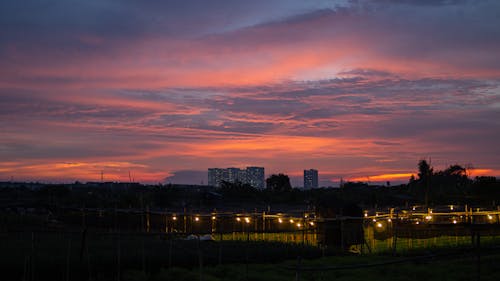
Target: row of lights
column 428, row 218
column 247, row 220
column 280, row 220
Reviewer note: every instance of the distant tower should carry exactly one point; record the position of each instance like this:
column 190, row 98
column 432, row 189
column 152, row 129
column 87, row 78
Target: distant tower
column 310, row 178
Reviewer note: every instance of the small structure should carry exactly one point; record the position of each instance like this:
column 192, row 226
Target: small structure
column 340, row 225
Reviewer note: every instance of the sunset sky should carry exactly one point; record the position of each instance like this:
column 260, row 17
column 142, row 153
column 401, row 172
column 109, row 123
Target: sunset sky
column 166, row 89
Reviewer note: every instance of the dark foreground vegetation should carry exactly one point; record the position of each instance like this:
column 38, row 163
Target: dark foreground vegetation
column 133, row 256
column 65, row 256
column 121, row 231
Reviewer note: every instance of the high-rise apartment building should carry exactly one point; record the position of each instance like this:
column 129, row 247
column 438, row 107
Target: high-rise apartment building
column 310, row 178
column 216, row 176
column 253, row 176
column 234, row 175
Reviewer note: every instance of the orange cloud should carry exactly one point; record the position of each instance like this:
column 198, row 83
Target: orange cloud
column 483, row 172
column 384, row 177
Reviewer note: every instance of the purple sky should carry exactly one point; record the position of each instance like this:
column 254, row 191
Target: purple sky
column 356, row 89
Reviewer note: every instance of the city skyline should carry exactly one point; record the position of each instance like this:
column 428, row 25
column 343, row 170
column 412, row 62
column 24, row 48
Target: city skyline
column 160, row 92
column 253, row 176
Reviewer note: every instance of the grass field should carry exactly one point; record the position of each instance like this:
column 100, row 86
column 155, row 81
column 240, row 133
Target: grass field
column 67, row 256
column 453, row 268
column 64, row 255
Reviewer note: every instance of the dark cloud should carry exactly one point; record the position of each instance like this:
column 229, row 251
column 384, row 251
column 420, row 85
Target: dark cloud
column 187, row 177
column 420, row 2
column 268, row 107
column 407, row 107
column 367, row 73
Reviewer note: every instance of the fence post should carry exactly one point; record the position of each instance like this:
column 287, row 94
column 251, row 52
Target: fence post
column 68, row 258
column 83, row 243
column 166, row 224
column 246, row 256
column 395, row 234
column 297, row 269
column 263, row 225
column 143, row 254
column 220, row 249
column 32, row 277
column 26, row 268
column 342, row 234
column 200, row 259
column 88, row 261
column 118, row 259
column 170, row 250
column 478, row 254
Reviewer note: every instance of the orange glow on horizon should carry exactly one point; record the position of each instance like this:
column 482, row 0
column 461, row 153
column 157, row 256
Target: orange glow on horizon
column 384, row 177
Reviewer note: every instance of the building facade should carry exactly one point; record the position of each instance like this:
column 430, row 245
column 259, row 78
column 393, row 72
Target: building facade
column 253, row 176
column 216, row 176
column 310, row 178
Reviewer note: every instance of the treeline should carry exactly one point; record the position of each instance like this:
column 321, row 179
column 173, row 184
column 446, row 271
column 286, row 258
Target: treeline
column 452, row 185
column 430, row 187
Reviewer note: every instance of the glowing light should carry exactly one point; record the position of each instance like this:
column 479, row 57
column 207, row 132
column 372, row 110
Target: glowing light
column 413, row 208
column 385, row 177
column 291, row 220
column 247, row 220
column 379, row 225
column 299, row 225
column 417, row 222
column 238, row 219
column 389, row 220
column 428, row 218
column 280, row 220
column 374, row 220
column 174, row 218
column 311, row 223
column 451, row 207
column 454, row 221
column 490, row 217
column 196, row 219
column 366, row 214
column 213, row 217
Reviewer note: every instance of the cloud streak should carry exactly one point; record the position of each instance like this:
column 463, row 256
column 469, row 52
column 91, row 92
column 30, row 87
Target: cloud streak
column 353, row 88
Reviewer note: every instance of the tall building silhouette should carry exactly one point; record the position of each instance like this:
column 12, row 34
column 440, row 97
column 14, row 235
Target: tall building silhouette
column 310, row 178
column 253, row 176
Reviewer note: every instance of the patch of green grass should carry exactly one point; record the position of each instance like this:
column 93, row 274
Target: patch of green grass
column 429, row 270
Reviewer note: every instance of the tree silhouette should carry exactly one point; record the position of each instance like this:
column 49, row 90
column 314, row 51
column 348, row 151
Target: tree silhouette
column 424, row 170
column 455, row 170
column 452, row 182
column 425, row 173
column 446, row 186
column 280, row 182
